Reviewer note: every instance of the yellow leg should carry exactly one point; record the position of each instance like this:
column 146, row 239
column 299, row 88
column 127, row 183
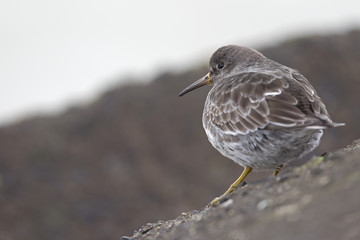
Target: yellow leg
column 246, row 171
column 278, row 170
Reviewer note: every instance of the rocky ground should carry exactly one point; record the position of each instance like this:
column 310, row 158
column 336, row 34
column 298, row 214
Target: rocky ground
column 318, row 200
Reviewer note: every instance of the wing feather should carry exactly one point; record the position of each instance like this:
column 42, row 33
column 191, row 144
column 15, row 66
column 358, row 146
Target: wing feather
column 250, row 101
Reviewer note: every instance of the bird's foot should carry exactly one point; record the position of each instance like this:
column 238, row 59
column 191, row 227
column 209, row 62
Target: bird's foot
column 214, row 202
column 225, row 196
column 218, row 200
column 240, row 181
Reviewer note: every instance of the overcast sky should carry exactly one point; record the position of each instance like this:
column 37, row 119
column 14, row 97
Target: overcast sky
column 55, row 53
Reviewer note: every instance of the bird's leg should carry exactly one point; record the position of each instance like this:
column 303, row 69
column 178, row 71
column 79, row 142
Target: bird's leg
column 232, row 187
column 278, row 170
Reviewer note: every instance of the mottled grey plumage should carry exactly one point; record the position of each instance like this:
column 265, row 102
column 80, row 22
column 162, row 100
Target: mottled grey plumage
column 259, row 113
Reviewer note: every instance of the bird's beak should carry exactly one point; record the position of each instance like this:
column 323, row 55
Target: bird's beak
column 199, row 83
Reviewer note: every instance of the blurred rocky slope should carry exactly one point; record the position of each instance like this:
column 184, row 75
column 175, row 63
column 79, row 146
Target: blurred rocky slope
column 139, row 153
column 319, row 200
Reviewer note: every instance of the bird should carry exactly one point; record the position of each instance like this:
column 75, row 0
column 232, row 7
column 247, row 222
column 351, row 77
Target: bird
column 259, row 113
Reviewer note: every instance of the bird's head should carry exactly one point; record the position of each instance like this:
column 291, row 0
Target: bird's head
column 226, row 62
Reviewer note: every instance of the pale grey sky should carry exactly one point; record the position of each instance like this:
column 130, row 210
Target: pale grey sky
column 54, row 53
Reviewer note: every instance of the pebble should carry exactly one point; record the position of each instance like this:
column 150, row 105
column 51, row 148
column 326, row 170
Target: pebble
column 227, row 203
column 263, row 204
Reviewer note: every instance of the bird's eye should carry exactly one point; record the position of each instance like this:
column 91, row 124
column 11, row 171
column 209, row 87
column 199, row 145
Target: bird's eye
column 220, row 66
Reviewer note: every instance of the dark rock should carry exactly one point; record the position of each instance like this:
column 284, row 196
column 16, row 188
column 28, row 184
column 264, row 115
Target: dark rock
column 324, row 205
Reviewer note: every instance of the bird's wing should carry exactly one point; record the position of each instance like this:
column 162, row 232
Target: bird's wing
column 250, row 101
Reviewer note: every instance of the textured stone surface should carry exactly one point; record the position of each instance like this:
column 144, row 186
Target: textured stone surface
column 318, row 200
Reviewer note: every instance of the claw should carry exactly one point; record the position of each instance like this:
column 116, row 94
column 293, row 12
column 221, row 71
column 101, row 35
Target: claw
column 216, row 200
